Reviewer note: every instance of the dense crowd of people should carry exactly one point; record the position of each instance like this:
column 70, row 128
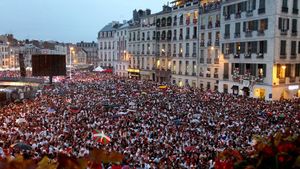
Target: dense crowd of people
column 153, row 127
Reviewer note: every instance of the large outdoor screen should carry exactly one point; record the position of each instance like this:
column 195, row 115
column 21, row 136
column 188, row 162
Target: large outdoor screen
column 48, row 65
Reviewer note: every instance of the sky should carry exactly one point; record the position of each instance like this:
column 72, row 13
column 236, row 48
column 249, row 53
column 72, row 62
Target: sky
column 66, row 20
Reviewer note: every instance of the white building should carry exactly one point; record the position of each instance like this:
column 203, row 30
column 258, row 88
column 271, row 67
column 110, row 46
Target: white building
column 106, row 42
column 121, row 62
column 260, row 47
column 209, row 45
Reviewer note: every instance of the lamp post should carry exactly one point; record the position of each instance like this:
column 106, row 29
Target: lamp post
column 71, row 51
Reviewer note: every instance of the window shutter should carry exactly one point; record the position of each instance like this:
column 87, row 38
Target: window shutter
column 288, row 24
column 244, row 27
column 253, row 4
column 267, row 23
column 265, row 46
column 280, row 23
column 255, row 26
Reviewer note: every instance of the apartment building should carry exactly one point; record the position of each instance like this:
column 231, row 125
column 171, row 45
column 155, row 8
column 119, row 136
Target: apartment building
column 209, row 45
column 106, row 42
column 91, row 49
column 185, row 43
column 260, row 47
column 121, row 62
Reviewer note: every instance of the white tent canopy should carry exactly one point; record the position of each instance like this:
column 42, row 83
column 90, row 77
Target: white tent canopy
column 98, row 69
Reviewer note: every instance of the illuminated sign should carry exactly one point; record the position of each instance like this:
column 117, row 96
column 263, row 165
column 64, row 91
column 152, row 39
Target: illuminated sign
column 133, row 70
column 294, row 87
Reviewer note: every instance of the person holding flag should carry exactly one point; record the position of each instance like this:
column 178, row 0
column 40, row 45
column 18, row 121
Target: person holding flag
column 101, row 137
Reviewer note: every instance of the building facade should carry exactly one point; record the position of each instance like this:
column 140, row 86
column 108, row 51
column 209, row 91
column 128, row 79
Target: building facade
column 91, row 49
column 242, row 47
column 106, row 42
column 260, row 47
column 121, row 61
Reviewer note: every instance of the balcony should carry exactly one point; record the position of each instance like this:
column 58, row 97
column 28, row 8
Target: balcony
column 294, row 33
column 180, row 54
column 201, row 74
column 284, row 32
column 202, row 27
column 209, row 42
column 216, row 76
column 293, row 56
column 202, row 43
column 247, row 56
column 261, row 32
column 238, row 15
column 201, row 60
column 187, row 73
column 194, row 74
column 237, row 35
column 248, row 34
column 194, row 55
column 187, row 37
column 226, row 36
column 282, row 56
column 295, row 11
column 209, row 26
column 281, row 80
column 174, row 55
column 208, row 60
column 261, row 10
column 217, row 25
column 249, row 13
column 216, row 60
column 260, row 56
column 194, row 36
column 236, row 56
column 227, row 17
column 174, row 38
column 217, row 42
column 285, row 9
column 208, row 75
column 187, row 55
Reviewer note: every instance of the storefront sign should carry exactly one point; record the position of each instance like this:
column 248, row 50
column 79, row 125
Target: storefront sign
column 294, row 87
column 133, row 70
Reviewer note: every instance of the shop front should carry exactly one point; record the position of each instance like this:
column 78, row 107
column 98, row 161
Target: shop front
column 146, row 75
column 134, row 74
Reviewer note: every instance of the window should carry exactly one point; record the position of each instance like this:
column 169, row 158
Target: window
column 293, row 48
column 187, row 33
column 283, row 24
column 263, row 25
column 174, row 49
column 285, row 8
column 194, row 49
column 295, row 7
column 237, row 29
column 294, row 25
column 187, row 48
column 297, row 70
column 227, row 30
column 263, row 47
column 283, row 47
column 262, row 6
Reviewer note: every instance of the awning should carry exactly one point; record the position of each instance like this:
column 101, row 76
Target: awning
column 234, row 87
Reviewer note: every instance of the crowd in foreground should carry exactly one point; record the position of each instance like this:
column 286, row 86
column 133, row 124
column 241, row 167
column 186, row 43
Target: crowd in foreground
column 153, row 127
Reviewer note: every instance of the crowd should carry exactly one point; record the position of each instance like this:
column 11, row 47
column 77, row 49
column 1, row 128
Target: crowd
column 153, row 127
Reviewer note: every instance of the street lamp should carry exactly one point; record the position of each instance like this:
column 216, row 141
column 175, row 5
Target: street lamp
column 71, row 51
